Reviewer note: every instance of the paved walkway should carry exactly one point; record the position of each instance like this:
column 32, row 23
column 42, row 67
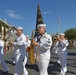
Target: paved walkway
column 53, row 69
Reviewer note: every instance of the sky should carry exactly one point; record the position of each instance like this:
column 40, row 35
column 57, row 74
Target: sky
column 24, row 12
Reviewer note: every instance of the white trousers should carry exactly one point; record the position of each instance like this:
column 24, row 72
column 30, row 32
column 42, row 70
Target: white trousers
column 43, row 66
column 20, row 64
column 63, row 59
column 3, row 63
column 59, row 57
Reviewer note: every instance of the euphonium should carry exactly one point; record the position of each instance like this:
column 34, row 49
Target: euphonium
column 30, row 50
column 10, row 35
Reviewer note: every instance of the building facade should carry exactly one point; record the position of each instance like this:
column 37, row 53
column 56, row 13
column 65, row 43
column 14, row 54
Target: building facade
column 4, row 26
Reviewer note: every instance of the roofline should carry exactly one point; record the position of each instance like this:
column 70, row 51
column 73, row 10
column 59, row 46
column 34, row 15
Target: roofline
column 7, row 23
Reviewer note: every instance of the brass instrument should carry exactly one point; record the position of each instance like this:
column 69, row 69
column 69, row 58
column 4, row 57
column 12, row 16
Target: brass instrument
column 10, row 35
column 30, row 50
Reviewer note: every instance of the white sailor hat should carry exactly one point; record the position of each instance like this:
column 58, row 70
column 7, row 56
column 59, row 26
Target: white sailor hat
column 19, row 28
column 41, row 25
column 27, row 35
column 62, row 34
column 57, row 35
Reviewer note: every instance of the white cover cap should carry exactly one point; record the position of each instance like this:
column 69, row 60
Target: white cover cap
column 41, row 25
column 27, row 35
column 20, row 28
column 62, row 34
column 57, row 35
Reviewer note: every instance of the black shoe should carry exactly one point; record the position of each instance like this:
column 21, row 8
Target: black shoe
column 5, row 72
column 14, row 64
column 57, row 64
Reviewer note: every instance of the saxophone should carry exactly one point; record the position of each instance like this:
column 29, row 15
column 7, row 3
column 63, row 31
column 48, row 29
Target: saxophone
column 30, row 50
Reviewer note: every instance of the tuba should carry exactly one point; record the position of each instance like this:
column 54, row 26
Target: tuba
column 10, row 35
column 30, row 50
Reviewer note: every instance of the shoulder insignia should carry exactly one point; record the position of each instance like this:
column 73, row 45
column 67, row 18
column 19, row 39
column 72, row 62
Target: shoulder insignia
column 20, row 39
column 48, row 39
column 44, row 37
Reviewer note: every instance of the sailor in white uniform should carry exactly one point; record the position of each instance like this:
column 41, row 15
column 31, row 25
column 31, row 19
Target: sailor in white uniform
column 28, row 42
column 62, row 51
column 2, row 62
column 75, row 43
column 55, row 48
column 20, row 52
column 42, row 44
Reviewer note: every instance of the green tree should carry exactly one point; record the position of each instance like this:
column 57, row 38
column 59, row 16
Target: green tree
column 70, row 34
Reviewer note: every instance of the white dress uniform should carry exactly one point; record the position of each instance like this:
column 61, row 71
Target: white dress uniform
column 20, row 55
column 62, row 45
column 55, row 48
column 75, row 43
column 28, row 42
column 43, row 52
column 2, row 62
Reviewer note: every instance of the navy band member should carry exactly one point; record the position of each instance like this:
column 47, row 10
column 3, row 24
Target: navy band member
column 28, row 42
column 42, row 45
column 2, row 62
column 62, row 51
column 74, row 43
column 55, row 48
column 20, row 53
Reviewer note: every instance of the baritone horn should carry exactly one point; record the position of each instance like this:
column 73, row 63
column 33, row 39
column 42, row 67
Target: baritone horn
column 10, row 35
column 30, row 50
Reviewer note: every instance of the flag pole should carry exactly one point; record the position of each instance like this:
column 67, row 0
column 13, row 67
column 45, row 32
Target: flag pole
column 58, row 18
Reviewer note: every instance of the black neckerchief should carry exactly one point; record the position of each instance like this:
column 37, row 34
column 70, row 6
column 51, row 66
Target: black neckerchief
column 39, row 37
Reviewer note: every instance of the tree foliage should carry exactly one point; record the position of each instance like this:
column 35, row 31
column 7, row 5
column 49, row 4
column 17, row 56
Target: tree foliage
column 70, row 34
